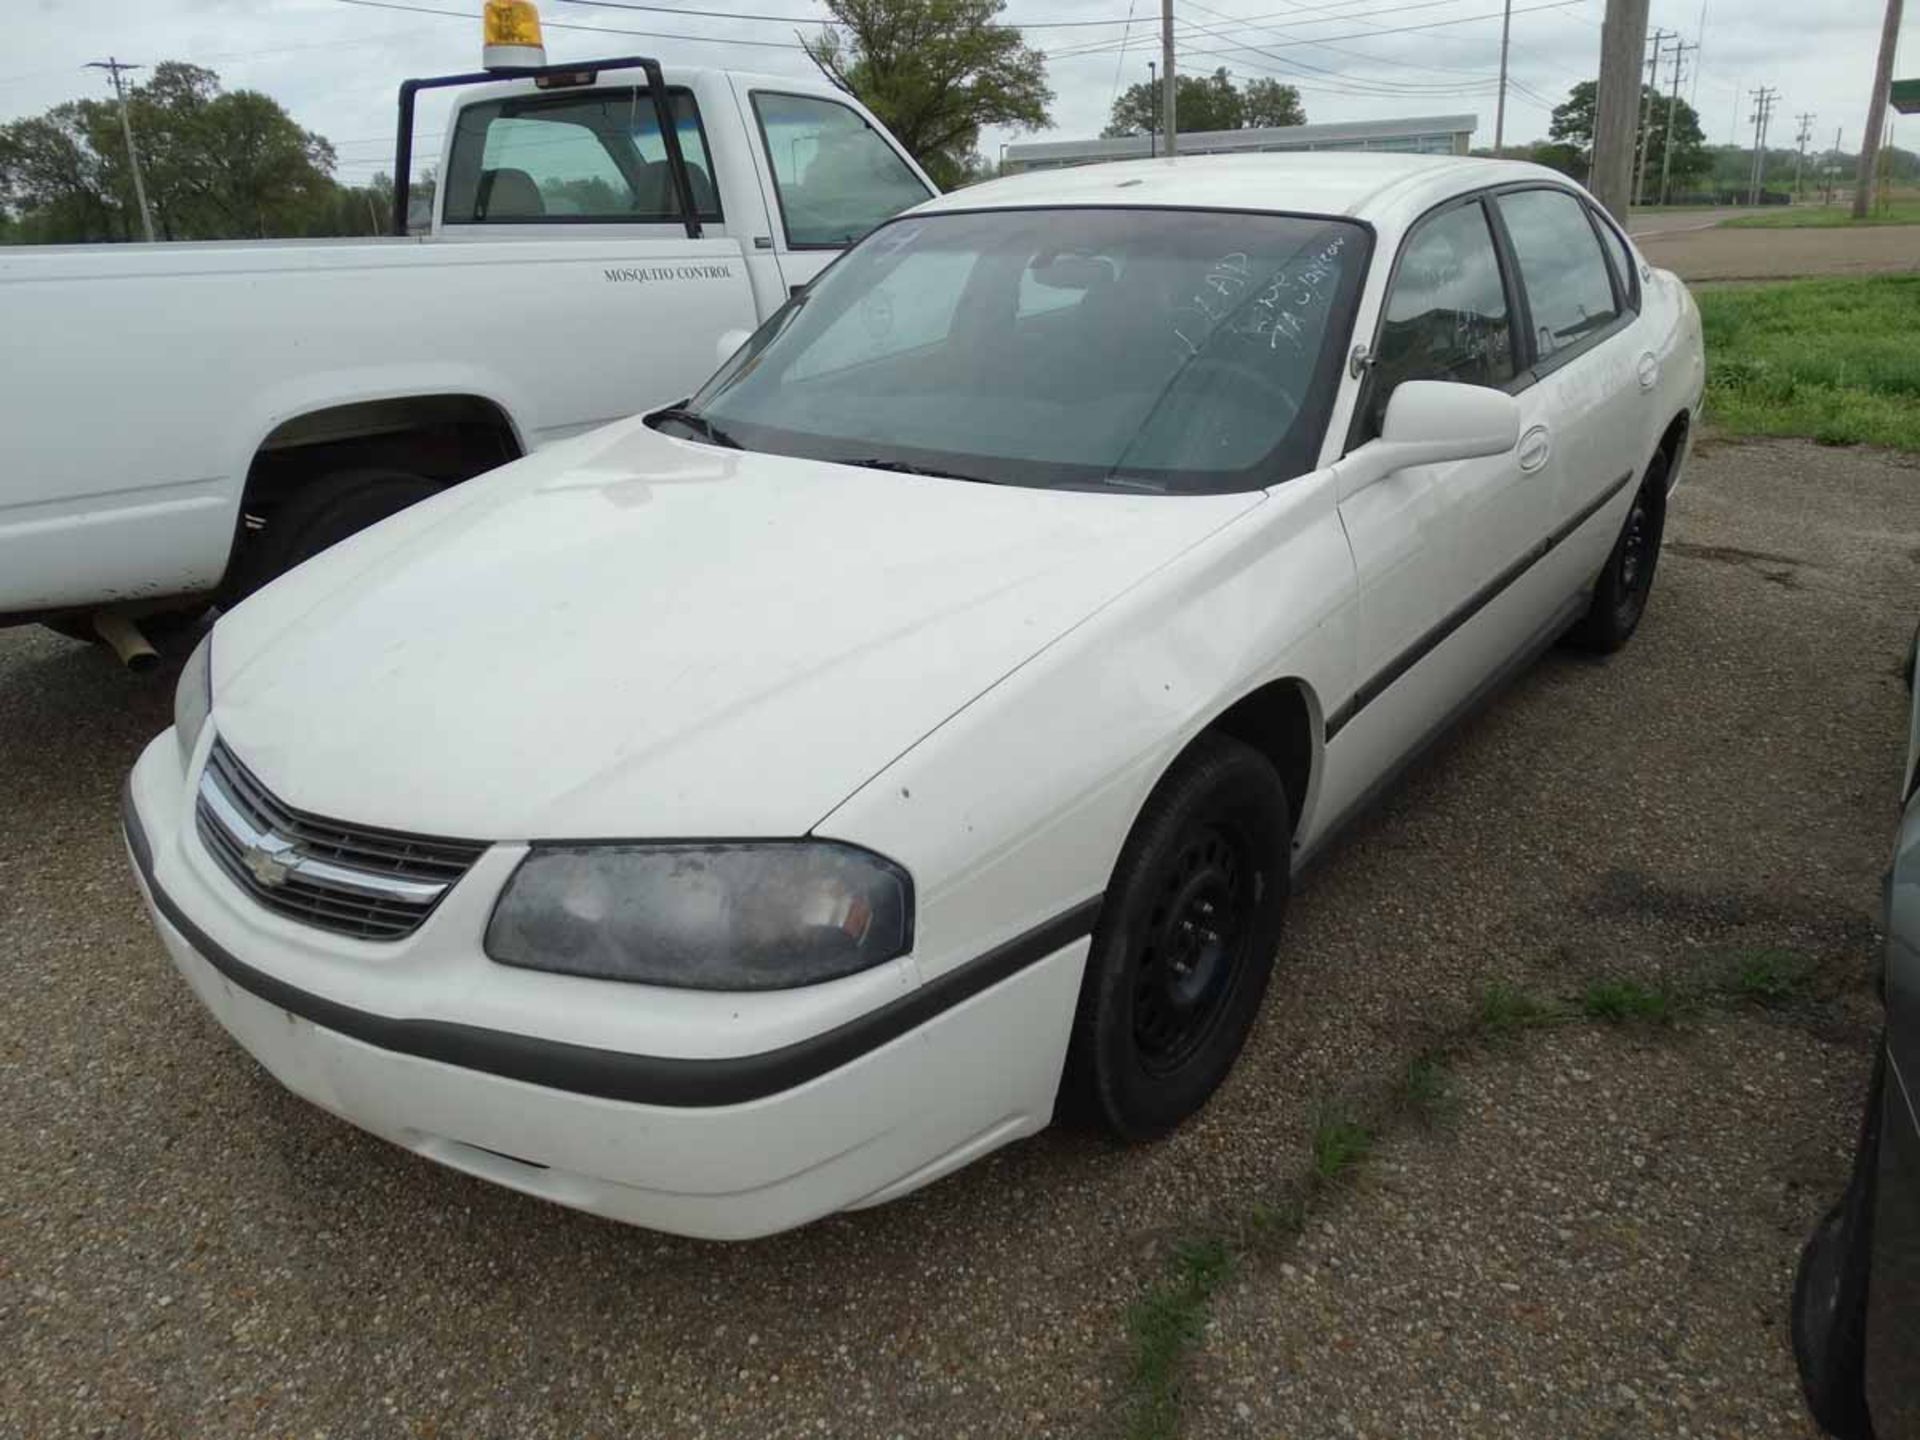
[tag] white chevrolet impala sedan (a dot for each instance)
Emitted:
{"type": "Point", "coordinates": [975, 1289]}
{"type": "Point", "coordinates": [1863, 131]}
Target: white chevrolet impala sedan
{"type": "Point", "coordinates": [762, 807]}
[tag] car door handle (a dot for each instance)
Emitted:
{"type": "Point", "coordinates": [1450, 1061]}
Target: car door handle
{"type": "Point", "coordinates": [1535, 446]}
{"type": "Point", "coordinates": [1649, 371]}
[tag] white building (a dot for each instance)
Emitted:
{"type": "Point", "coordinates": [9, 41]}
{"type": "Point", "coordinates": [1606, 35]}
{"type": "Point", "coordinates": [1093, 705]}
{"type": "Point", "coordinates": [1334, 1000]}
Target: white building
{"type": "Point", "coordinates": [1422, 135]}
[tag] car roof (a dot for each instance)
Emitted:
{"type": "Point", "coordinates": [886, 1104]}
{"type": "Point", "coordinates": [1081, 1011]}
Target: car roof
{"type": "Point", "coordinates": [1366, 186]}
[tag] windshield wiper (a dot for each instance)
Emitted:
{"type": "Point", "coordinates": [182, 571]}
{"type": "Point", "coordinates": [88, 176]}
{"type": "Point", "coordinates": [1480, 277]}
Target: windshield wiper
{"type": "Point", "coordinates": [700, 426]}
{"type": "Point", "coordinates": [907, 467]}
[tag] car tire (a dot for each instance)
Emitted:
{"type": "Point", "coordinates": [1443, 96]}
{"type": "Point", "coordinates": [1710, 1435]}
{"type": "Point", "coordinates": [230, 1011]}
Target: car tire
{"type": "Point", "coordinates": [1184, 946]}
{"type": "Point", "coordinates": [1829, 1319]}
{"type": "Point", "coordinates": [1620, 597]}
{"type": "Point", "coordinates": [320, 515]}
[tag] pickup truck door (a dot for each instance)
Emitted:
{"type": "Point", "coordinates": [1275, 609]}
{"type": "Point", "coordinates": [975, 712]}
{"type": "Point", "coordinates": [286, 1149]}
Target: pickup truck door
{"type": "Point", "coordinates": [1431, 543]}
{"type": "Point", "coordinates": [828, 173]}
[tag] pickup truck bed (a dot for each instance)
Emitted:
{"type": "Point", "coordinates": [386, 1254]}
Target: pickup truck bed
{"type": "Point", "coordinates": [541, 331]}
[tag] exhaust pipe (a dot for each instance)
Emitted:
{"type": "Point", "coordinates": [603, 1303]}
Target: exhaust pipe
{"type": "Point", "coordinates": [126, 641]}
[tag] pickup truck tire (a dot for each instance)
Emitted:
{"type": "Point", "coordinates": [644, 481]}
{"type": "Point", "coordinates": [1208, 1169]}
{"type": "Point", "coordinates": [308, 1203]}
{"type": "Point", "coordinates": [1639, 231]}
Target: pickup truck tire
{"type": "Point", "coordinates": [321, 514]}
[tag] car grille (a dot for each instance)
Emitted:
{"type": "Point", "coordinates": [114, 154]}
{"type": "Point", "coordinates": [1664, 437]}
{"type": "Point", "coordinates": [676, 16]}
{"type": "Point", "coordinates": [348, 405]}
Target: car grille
{"type": "Point", "coordinates": [352, 879]}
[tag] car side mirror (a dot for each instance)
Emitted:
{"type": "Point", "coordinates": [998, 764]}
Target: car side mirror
{"type": "Point", "coordinates": [729, 341]}
{"type": "Point", "coordinates": [1431, 422]}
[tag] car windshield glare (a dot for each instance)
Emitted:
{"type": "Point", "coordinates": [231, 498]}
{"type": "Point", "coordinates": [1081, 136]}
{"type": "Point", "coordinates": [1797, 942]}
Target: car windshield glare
{"type": "Point", "coordinates": [1156, 349]}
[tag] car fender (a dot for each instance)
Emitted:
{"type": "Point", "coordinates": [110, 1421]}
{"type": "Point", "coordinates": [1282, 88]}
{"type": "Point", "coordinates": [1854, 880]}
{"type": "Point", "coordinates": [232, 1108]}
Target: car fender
{"type": "Point", "coordinates": [1015, 809]}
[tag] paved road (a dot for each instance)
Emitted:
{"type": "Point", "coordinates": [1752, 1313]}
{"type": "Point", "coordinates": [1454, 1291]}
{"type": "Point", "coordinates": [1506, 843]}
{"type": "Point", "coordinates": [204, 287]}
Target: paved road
{"type": "Point", "coordinates": [1697, 251]}
{"type": "Point", "coordinates": [1677, 222]}
{"type": "Point", "coordinates": [184, 1248]}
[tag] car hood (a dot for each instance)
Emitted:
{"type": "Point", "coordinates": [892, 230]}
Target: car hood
{"type": "Point", "coordinates": [634, 636]}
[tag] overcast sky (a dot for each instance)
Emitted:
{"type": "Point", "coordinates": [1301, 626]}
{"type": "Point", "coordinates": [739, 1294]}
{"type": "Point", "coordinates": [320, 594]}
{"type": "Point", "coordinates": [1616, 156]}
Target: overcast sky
{"type": "Point", "coordinates": [335, 64]}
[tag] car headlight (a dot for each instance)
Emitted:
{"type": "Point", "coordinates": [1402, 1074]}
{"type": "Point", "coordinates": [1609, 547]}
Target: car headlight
{"type": "Point", "coordinates": [193, 699]}
{"type": "Point", "coordinates": [704, 916]}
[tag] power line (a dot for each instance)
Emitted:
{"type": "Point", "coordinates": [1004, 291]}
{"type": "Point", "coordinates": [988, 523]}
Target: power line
{"type": "Point", "coordinates": [1680, 49]}
{"type": "Point", "coordinates": [1762, 113]}
{"type": "Point", "coordinates": [1805, 117]}
{"type": "Point", "coordinates": [113, 67]}
{"type": "Point", "coordinates": [680, 35]}
{"type": "Point", "coordinates": [1106, 47]}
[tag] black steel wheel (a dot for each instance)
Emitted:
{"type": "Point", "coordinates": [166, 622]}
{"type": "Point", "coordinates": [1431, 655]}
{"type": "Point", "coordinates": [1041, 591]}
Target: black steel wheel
{"type": "Point", "coordinates": [1195, 941]}
{"type": "Point", "coordinates": [1620, 596]}
{"type": "Point", "coordinates": [1185, 944]}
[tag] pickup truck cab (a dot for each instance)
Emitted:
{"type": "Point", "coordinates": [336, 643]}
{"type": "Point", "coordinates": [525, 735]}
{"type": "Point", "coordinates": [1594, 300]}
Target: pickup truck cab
{"type": "Point", "coordinates": [186, 421]}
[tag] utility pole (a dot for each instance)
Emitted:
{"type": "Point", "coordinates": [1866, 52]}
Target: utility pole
{"type": "Point", "coordinates": [1680, 49]}
{"type": "Point", "coordinates": [1500, 106]}
{"type": "Point", "coordinates": [1763, 99]}
{"type": "Point", "coordinates": [1646, 117]}
{"type": "Point", "coordinates": [1833, 168]}
{"type": "Point", "coordinates": [113, 67]}
{"type": "Point", "coordinates": [1169, 121]}
{"type": "Point", "coordinates": [1153, 126]}
{"type": "Point", "coordinates": [1623, 37]}
{"type": "Point", "coordinates": [1801, 137]}
{"type": "Point", "coordinates": [1876, 111]}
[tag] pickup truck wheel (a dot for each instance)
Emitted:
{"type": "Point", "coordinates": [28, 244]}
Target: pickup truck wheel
{"type": "Point", "coordinates": [1829, 1318]}
{"type": "Point", "coordinates": [1620, 599]}
{"type": "Point", "coordinates": [322, 514]}
{"type": "Point", "coordinates": [1184, 946]}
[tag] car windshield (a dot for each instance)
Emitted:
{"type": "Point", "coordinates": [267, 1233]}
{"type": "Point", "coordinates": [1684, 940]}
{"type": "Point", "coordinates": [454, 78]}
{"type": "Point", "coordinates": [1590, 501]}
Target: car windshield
{"type": "Point", "coordinates": [1163, 350]}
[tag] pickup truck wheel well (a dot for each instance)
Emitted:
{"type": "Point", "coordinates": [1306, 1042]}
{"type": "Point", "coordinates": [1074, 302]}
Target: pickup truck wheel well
{"type": "Point", "coordinates": [1277, 720]}
{"type": "Point", "coordinates": [441, 438]}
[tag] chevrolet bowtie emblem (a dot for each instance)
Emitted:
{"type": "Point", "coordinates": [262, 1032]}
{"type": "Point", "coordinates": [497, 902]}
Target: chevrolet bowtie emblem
{"type": "Point", "coordinates": [270, 861]}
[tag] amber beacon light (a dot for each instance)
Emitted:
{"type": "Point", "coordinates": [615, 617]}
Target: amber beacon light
{"type": "Point", "coordinates": [512, 35]}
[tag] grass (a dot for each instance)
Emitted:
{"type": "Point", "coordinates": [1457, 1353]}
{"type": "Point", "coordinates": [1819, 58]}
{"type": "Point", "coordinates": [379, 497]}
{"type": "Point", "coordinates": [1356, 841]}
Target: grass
{"type": "Point", "coordinates": [1768, 977]}
{"type": "Point", "coordinates": [1170, 1320]}
{"type": "Point", "coordinates": [1340, 1143]}
{"type": "Point", "coordinates": [1423, 1091]}
{"type": "Point", "coordinates": [1620, 1002]}
{"type": "Point", "coordinates": [1505, 1010]}
{"type": "Point", "coordinates": [1822, 217]}
{"type": "Point", "coordinates": [1833, 360]}
{"type": "Point", "coordinates": [1166, 1323]}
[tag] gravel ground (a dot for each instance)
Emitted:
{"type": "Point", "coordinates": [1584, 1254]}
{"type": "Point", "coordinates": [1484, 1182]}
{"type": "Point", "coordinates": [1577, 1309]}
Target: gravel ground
{"type": "Point", "coordinates": [1697, 252]}
{"type": "Point", "coordinates": [186, 1249]}
{"type": "Point", "coordinates": [1598, 1242]}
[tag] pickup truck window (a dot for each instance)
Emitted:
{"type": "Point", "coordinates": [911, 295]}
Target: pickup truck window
{"type": "Point", "coordinates": [594, 157]}
{"type": "Point", "coordinates": [836, 178]}
{"type": "Point", "coordinates": [1220, 336]}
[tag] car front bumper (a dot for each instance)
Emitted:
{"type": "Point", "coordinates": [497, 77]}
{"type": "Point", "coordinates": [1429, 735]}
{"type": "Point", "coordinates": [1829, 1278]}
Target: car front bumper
{"type": "Point", "coordinates": [721, 1136]}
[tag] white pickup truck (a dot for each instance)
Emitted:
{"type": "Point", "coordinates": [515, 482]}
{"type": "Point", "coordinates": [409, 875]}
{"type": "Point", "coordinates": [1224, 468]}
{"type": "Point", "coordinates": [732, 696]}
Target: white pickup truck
{"type": "Point", "coordinates": [182, 422]}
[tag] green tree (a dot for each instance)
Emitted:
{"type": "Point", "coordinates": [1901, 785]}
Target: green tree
{"type": "Point", "coordinates": [1559, 155]}
{"type": "Point", "coordinates": [1269, 103]}
{"type": "Point", "coordinates": [218, 165]}
{"type": "Point", "coordinates": [935, 72]}
{"type": "Point", "coordinates": [1572, 123]}
{"type": "Point", "coordinates": [1206, 102]}
{"type": "Point", "coordinates": [54, 186]}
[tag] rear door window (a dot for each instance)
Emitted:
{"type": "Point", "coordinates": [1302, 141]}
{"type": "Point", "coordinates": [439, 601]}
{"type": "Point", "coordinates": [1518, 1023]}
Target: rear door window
{"type": "Point", "coordinates": [1622, 258]}
{"type": "Point", "coordinates": [590, 157]}
{"type": "Point", "coordinates": [1565, 274]}
{"type": "Point", "coordinates": [835, 176]}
